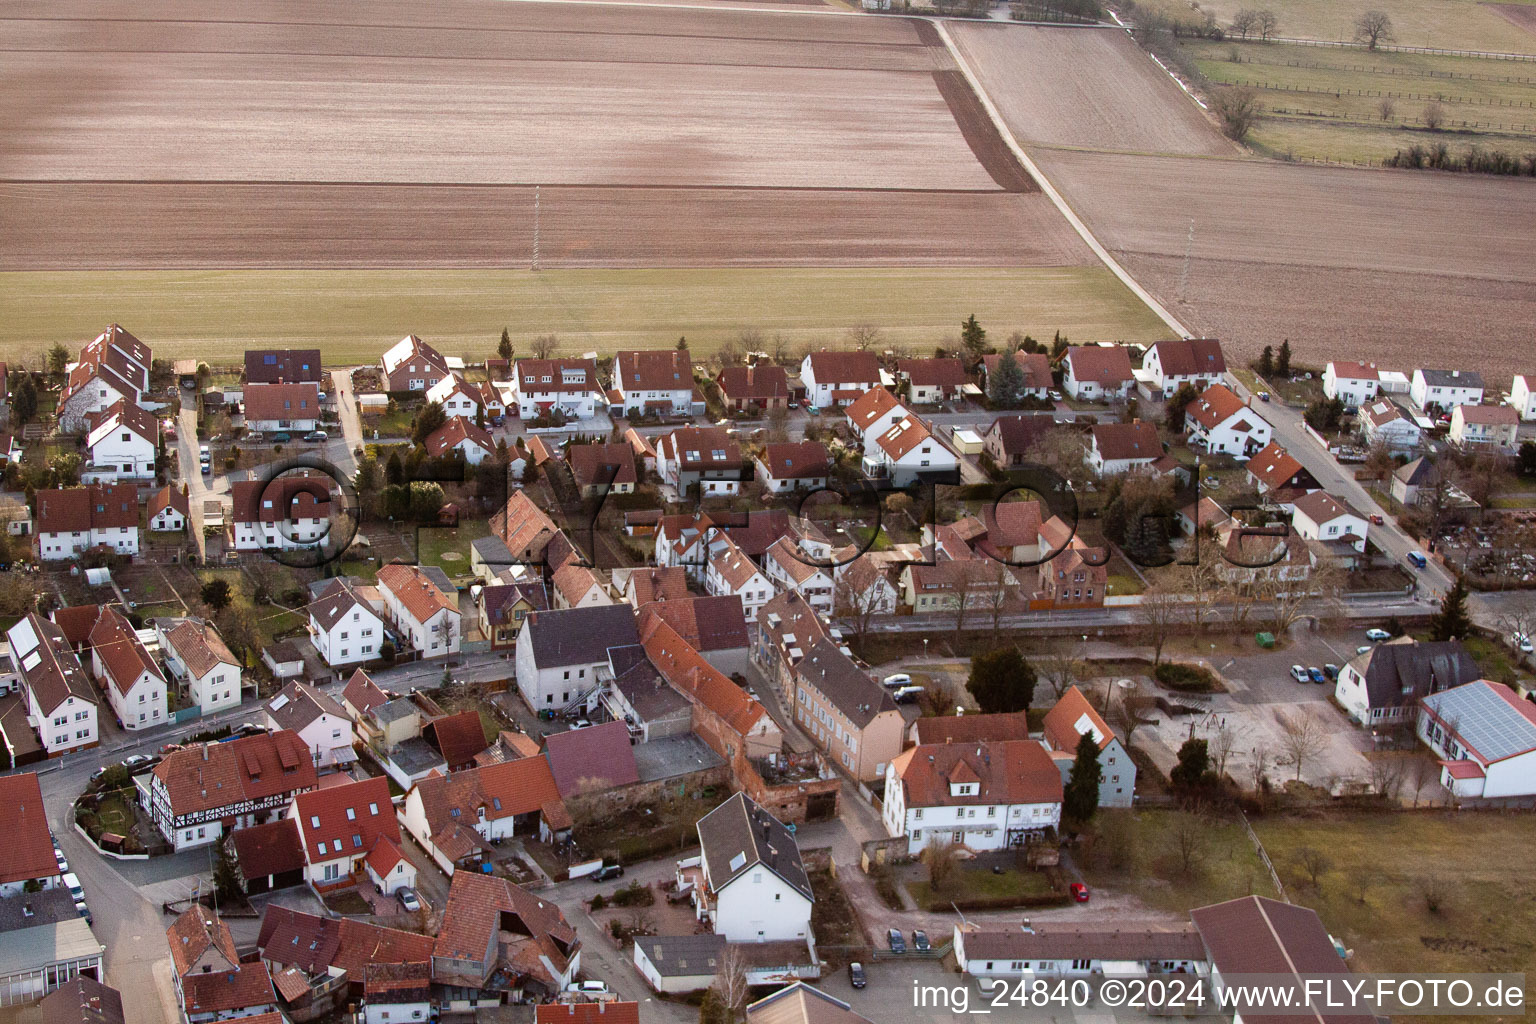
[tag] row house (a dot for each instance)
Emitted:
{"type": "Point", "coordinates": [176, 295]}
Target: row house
{"type": "Point", "coordinates": [754, 389]}
{"type": "Point", "coordinates": [789, 567]}
{"type": "Point", "coordinates": [123, 443]}
{"type": "Point", "coordinates": [934, 380]}
{"type": "Point", "coordinates": [716, 627]}
{"type": "Point", "coordinates": [410, 364]}
{"type": "Point", "coordinates": [59, 697]}
{"type": "Point", "coordinates": [282, 407]}
{"type": "Point", "coordinates": [345, 623]}
{"type": "Point", "coordinates": [690, 541]}
{"type": "Point", "coordinates": [1352, 382]}
{"type": "Point", "coordinates": [1097, 372]}
{"type": "Point", "coordinates": [524, 528]}
{"type": "Point", "coordinates": [197, 794]}
{"type": "Point", "coordinates": [132, 680]}
{"type": "Point", "coordinates": [542, 386]}
{"type": "Point", "coordinates": [787, 627]}
{"type": "Point", "coordinates": [290, 513]}
{"type": "Point", "coordinates": [1221, 422]}
{"type": "Point", "coordinates": [982, 796]}
{"type": "Point", "coordinates": [731, 572]}
{"type": "Point", "coordinates": [282, 366]}
{"type": "Point", "coordinates": [1198, 362]}
{"type": "Point", "coordinates": [201, 662]}
{"type": "Point", "coordinates": [838, 378]}
{"type": "Point", "coordinates": [74, 520]}
{"type": "Point", "coordinates": [853, 718]}
{"type": "Point", "coordinates": [726, 717]}
{"type": "Point", "coordinates": [423, 607]}
{"type": "Point", "coordinates": [656, 381]}
{"type": "Point", "coordinates": [112, 368]}
{"type": "Point", "coordinates": [704, 456]}
{"type": "Point", "coordinates": [1034, 370]}
{"type": "Point", "coordinates": [211, 982]}
{"type": "Point", "coordinates": [1443, 390]}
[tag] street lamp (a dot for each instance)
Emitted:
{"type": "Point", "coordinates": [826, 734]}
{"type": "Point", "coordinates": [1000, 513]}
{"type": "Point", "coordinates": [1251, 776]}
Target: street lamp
{"type": "Point", "coordinates": [925, 648]}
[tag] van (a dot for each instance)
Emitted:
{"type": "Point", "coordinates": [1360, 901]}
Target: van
{"type": "Point", "coordinates": [1417, 560]}
{"type": "Point", "coordinates": [203, 454]}
{"type": "Point", "coordinates": [907, 693]}
{"type": "Point", "coordinates": [75, 890]}
{"type": "Point", "coordinates": [899, 679]}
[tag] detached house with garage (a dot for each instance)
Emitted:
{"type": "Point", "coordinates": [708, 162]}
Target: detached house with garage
{"type": "Point", "coordinates": [1495, 426]}
{"type": "Point", "coordinates": [1320, 516]}
{"type": "Point", "coordinates": [460, 437]}
{"type": "Point", "coordinates": [282, 365]}
{"type": "Point", "coordinates": [1035, 366]}
{"type": "Point", "coordinates": [199, 793]}
{"type": "Point", "coordinates": [983, 796]}
{"type": "Point", "coordinates": [282, 407]}
{"type": "Point", "coordinates": [1220, 422]}
{"type": "Point", "coordinates": [1066, 724]}
{"type": "Point", "coordinates": [931, 381]}
{"type": "Point", "coordinates": [1010, 438]}
{"type": "Point", "coordinates": [873, 413]}
{"type": "Point", "coordinates": [123, 443]}
{"type": "Point", "coordinates": [706, 456]}
{"type": "Point", "coordinates": [749, 883]}
{"type": "Point", "coordinates": [1383, 422]}
{"type": "Point", "coordinates": [74, 520]}
{"type": "Point", "coordinates": [731, 573]}
{"type": "Point", "coordinates": [344, 626]}
{"type": "Point", "coordinates": [748, 389]}
{"type": "Point", "coordinates": [457, 398]}
{"type": "Point", "coordinates": [543, 386]}
{"type": "Point", "coordinates": [1197, 362]}
{"type": "Point", "coordinates": [838, 378]}
{"type": "Point", "coordinates": [793, 466]}
{"type": "Point", "coordinates": [1097, 372]}
{"type": "Point", "coordinates": [656, 381]}
{"type": "Point", "coordinates": [602, 468]}
{"type": "Point", "coordinates": [1279, 476]}
{"type": "Point", "coordinates": [423, 608]}
{"type": "Point", "coordinates": [1352, 382]}
{"type": "Point", "coordinates": [412, 365]}
{"type": "Point", "coordinates": [908, 452]}
{"type": "Point", "coordinates": [133, 682]}
{"type": "Point", "coordinates": [59, 698]}
{"type": "Point", "coordinates": [341, 826]}
{"type": "Point", "coordinates": [200, 660]}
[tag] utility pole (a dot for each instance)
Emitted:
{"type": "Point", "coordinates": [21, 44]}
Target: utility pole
{"type": "Point", "coordinates": [1189, 245]}
{"type": "Point", "coordinates": [536, 227]}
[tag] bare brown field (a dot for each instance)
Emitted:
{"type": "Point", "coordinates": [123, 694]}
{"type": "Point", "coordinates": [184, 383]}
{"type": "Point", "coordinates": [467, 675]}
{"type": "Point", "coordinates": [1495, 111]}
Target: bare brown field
{"type": "Point", "coordinates": [1383, 265]}
{"type": "Point", "coordinates": [1520, 15]}
{"type": "Point", "coordinates": [1086, 88]}
{"type": "Point", "coordinates": [75, 225]}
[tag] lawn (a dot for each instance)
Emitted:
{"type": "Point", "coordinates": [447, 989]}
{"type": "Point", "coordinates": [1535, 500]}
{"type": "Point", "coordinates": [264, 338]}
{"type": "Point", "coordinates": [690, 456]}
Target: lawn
{"type": "Point", "coordinates": [389, 424]}
{"type": "Point", "coordinates": [117, 813]}
{"type": "Point", "coordinates": [352, 315]}
{"type": "Point", "coordinates": [448, 547]}
{"type": "Point", "coordinates": [1441, 24]}
{"type": "Point", "coordinates": [1151, 868]}
{"type": "Point", "coordinates": [981, 884]}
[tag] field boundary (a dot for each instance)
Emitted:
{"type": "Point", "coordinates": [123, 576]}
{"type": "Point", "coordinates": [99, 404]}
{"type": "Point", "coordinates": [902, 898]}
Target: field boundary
{"type": "Point", "coordinates": [1394, 48]}
{"type": "Point", "coordinates": [1057, 199]}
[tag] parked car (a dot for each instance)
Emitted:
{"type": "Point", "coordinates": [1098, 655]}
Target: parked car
{"type": "Point", "coordinates": [96, 776]}
{"type": "Point", "coordinates": [1298, 673]}
{"type": "Point", "coordinates": [76, 890]}
{"type": "Point", "coordinates": [281, 437]}
{"type": "Point", "coordinates": [898, 679]}
{"type": "Point", "coordinates": [898, 944]}
{"type": "Point", "coordinates": [317, 435]}
{"type": "Point", "coordinates": [920, 941]}
{"type": "Point", "coordinates": [1316, 675]}
{"type": "Point", "coordinates": [1079, 892]}
{"type": "Point", "coordinates": [1378, 635]}
{"type": "Point", "coordinates": [253, 435]}
{"type": "Point", "coordinates": [1362, 649]}
{"type": "Point", "coordinates": [58, 855]}
{"type": "Point", "coordinates": [1331, 670]}
{"type": "Point", "coordinates": [590, 988]}
{"type": "Point", "coordinates": [408, 899]}
{"type": "Point", "coordinates": [1376, 518]}
{"type": "Point", "coordinates": [1417, 560]}
{"type": "Point", "coordinates": [1521, 641]}
{"type": "Point", "coordinates": [250, 729]}
{"type": "Point", "coordinates": [580, 723]}
{"type": "Point", "coordinates": [135, 761]}
{"type": "Point", "coordinates": [608, 872]}
{"type": "Point", "coordinates": [85, 912]}
{"type": "Point", "coordinates": [856, 976]}
{"type": "Point", "coordinates": [1263, 396]}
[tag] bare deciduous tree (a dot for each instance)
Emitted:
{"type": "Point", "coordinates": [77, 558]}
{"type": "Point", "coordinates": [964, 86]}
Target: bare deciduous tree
{"type": "Point", "coordinates": [1237, 107]}
{"type": "Point", "coordinates": [864, 337]}
{"type": "Point", "coordinates": [1436, 891]}
{"type": "Point", "coordinates": [731, 981]}
{"type": "Point", "coordinates": [1157, 615]}
{"type": "Point", "coordinates": [1223, 742]}
{"type": "Point", "coordinates": [1386, 107]}
{"type": "Point", "coordinates": [1422, 770]}
{"type": "Point", "coordinates": [1433, 116]}
{"type": "Point", "coordinates": [544, 346]}
{"type": "Point", "coordinates": [1315, 863]}
{"type": "Point", "coordinates": [1363, 880]}
{"type": "Point", "coordinates": [1373, 28]}
{"type": "Point", "coordinates": [1060, 670]}
{"type": "Point", "coordinates": [1268, 24]}
{"type": "Point", "coordinates": [1259, 767]}
{"type": "Point", "coordinates": [1189, 840]}
{"type": "Point", "coordinates": [1244, 22]}
{"type": "Point", "coordinates": [857, 605]}
{"type": "Point", "coordinates": [939, 857]}
{"type": "Point", "coordinates": [1302, 738]}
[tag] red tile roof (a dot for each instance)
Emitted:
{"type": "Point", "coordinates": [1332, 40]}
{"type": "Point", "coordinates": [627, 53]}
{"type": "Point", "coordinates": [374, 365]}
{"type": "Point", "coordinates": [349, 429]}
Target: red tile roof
{"type": "Point", "coordinates": [502, 790]}
{"type": "Point", "coordinates": [282, 402]}
{"type": "Point", "coordinates": [796, 460]}
{"type": "Point", "coordinates": [131, 417]}
{"type": "Point", "coordinates": [251, 768]}
{"type": "Point", "coordinates": [606, 1012]}
{"type": "Point", "coordinates": [384, 856]}
{"type": "Point", "coordinates": [1273, 466]}
{"type": "Point", "coordinates": [523, 526]}
{"type": "Point", "coordinates": [704, 623]}
{"type": "Point", "coordinates": [973, 728]}
{"type": "Point", "coordinates": [1215, 405]}
{"type": "Point", "coordinates": [869, 407]}
{"type": "Point", "coordinates": [591, 760]}
{"type": "Point", "coordinates": [225, 991]}
{"type": "Point", "coordinates": [946, 372]}
{"type": "Point", "coordinates": [601, 463]}
{"type": "Point", "coordinates": [1010, 772]}
{"type": "Point", "coordinates": [315, 943]}
{"type": "Point", "coordinates": [529, 374]}
{"type": "Point", "coordinates": [117, 645]}
{"type": "Point", "coordinates": [76, 622]}
{"type": "Point", "coordinates": [95, 506]}
{"type": "Point", "coordinates": [1035, 365]}
{"type": "Point", "coordinates": [415, 591]}
{"type": "Point", "coordinates": [1107, 365]}
{"type": "Point", "coordinates": [845, 368]}
{"type": "Point", "coordinates": [169, 496]}
{"type": "Point", "coordinates": [665, 583]}
{"type": "Point", "coordinates": [345, 821]}
{"type": "Point", "coordinates": [459, 737]}
{"type": "Point", "coordinates": [474, 911]}
{"type": "Point", "coordinates": [284, 499]}
{"type": "Point", "coordinates": [363, 693]}
{"type": "Point", "coordinates": [687, 671]}
{"type": "Point", "coordinates": [193, 933]}
{"type": "Point", "coordinates": [653, 370]}
{"type": "Point", "coordinates": [1070, 718]}
{"type": "Point", "coordinates": [24, 822]}
{"type": "Point", "coordinates": [1190, 357]}
{"type": "Point", "coordinates": [1117, 441]}
{"type": "Point", "coordinates": [695, 448]}
{"type": "Point", "coordinates": [453, 432]}
{"type": "Point", "coordinates": [760, 383]}
{"type": "Point", "coordinates": [271, 848]}
{"type": "Point", "coordinates": [1354, 369]}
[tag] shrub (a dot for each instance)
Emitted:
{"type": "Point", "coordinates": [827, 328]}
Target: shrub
{"type": "Point", "coordinates": [1187, 678]}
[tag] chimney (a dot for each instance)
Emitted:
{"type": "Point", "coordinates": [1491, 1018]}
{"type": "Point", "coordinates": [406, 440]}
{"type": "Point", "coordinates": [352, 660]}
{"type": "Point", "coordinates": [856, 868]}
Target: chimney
{"type": "Point", "coordinates": [205, 750]}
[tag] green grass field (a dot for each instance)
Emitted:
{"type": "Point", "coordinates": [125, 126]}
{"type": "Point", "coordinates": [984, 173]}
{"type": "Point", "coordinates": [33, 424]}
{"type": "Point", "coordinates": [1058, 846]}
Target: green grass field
{"type": "Point", "coordinates": [354, 315]}
{"type": "Point", "coordinates": [1437, 24]}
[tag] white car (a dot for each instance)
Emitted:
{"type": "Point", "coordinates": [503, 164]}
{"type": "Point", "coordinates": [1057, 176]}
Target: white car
{"type": "Point", "coordinates": [1521, 641]}
{"type": "Point", "coordinates": [898, 679]}
{"type": "Point", "coordinates": [1377, 635]}
{"type": "Point", "coordinates": [1299, 674]}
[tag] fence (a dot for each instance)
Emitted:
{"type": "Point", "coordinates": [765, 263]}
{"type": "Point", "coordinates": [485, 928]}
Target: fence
{"type": "Point", "coordinates": [1427, 97]}
{"type": "Point", "coordinates": [1253, 837]}
{"type": "Point", "coordinates": [1471, 76]}
{"type": "Point", "coordinates": [1392, 48]}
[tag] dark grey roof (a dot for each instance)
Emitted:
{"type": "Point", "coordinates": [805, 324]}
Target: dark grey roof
{"type": "Point", "coordinates": [304, 705]}
{"type": "Point", "coordinates": [82, 1000]}
{"type": "Point", "coordinates": [1092, 942]}
{"type": "Point", "coordinates": [646, 691]}
{"type": "Point", "coordinates": [848, 687]}
{"type": "Point", "coordinates": [51, 906]}
{"type": "Point", "coordinates": [394, 710]}
{"type": "Point", "coordinates": [1402, 671]}
{"type": "Point", "coordinates": [1419, 471]}
{"type": "Point", "coordinates": [439, 579]}
{"type": "Point", "coordinates": [580, 636]}
{"type": "Point", "coordinates": [1452, 378]}
{"type": "Point", "coordinates": [738, 835]}
{"type": "Point", "coordinates": [493, 551]}
{"type": "Point", "coordinates": [683, 956]}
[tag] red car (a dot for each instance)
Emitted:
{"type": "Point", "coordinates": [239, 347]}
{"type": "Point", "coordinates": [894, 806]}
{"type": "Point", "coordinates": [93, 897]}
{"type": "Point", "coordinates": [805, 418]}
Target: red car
{"type": "Point", "coordinates": [1079, 892]}
{"type": "Point", "coordinates": [1377, 520]}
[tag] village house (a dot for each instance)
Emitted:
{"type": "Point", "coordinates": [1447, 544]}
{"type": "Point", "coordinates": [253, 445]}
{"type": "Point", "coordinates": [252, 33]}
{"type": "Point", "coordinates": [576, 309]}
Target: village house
{"type": "Point", "coordinates": [211, 982]}
{"type": "Point", "coordinates": [748, 882]}
{"type": "Point", "coordinates": [753, 389]}
{"type": "Point", "coordinates": [787, 627]}
{"type": "Point", "coordinates": [123, 443]}
{"type": "Point", "coordinates": [1409, 479]}
{"type": "Point", "coordinates": [316, 718]}
{"type": "Point", "coordinates": [112, 368]}
{"type": "Point", "coordinates": [1320, 516]}
{"type": "Point", "coordinates": [361, 695]}
{"type": "Point", "coordinates": [841, 709]}
{"type": "Point", "coordinates": [290, 513]}
{"type": "Point", "coordinates": [393, 993]}
{"type": "Point", "coordinates": [864, 588]}
{"type": "Point", "coordinates": [1280, 476]}
{"type": "Point", "coordinates": [455, 816]}
{"type": "Point", "coordinates": [1035, 366]}
{"type": "Point", "coordinates": [1443, 390]}
{"type": "Point", "coordinates": [504, 607]}
{"type": "Point", "coordinates": [689, 540]}
{"type": "Point", "coordinates": [790, 568]}
{"type": "Point", "coordinates": [496, 935]}
{"type": "Point", "coordinates": [59, 696]}
{"type": "Point", "coordinates": [341, 826]}
{"type": "Point", "coordinates": [1259, 935]}
{"type": "Point", "coordinates": [74, 520]}
{"type": "Point", "coordinates": [706, 456]}
{"type": "Point", "coordinates": [412, 365]}
{"type": "Point", "coordinates": [1097, 372]}
{"type": "Point", "coordinates": [1010, 438]}
{"type": "Point", "coordinates": [1522, 396]}
{"type": "Point", "coordinates": [1480, 425]}
{"type": "Point", "coordinates": [1383, 686]}
{"type": "Point", "coordinates": [940, 587]}
{"type": "Point", "coordinates": [731, 572]}
{"type": "Point", "coordinates": [730, 720]}
{"type": "Point", "coordinates": [1352, 382]}
{"type": "Point", "coordinates": [282, 365]}
{"type": "Point", "coordinates": [85, 1000]}
{"type": "Point", "coordinates": [134, 685]}
{"type": "Point", "coordinates": [1077, 575]}
{"type": "Point", "coordinates": [319, 962]}
{"type": "Point", "coordinates": [422, 608]}
{"type": "Point", "coordinates": [908, 452]}
{"type": "Point", "coordinates": [1059, 949]}
{"type": "Point", "coordinates": [201, 662]}
{"type": "Point", "coordinates": [983, 796]}
{"type": "Point", "coordinates": [1485, 737]}
{"type": "Point", "coordinates": [592, 760]}
{"type": "Point", "coordinates": [524, 528]}
{"type": "Point", "coordinates": [934, 380]}
{"type": "Point", "coordinates": [793, 466]}
{"type": "Point", "coordinates": [1383, 422]}
{"type": "Point", "coordinates": [1197, 362]}
{"type": "Point", "coordinates": [656, 381]}
{"type": "Point", "coordinates": [602, 468]}
{"type": "Point", "coordinates": [837, 378]}
{"type": "Point", "coordinates": [544, 386]}
{"type": "Point", "coordinates": [461, 437]}
{"type": "Point", "coordinates": [1118, 448]}
{"type": "Point", "coordinates": [1219, 421]}
{"type": "Point", "coordinates": [167, 510]}
{"type": "Point", "coordinates": [873, 413]}
{"type": "Point", "coordinates": [198, 793]}
{"type": "Point", "coordinates": [29, 862]}
{"type": "Point", "coordinates": [576, 586]}
{"type": "Point", "coordinates": [715, 627]}
{"type": "Point", "coordinates": [344, 626]}
{"type": "Point", "coordinates": [562, 656]}
{"type": "Point", "coordinates": [282, 407]}
{"type": "Point", "coordinates": [1068, 721]}
{"type": "Point", "coordinates": [639, 586]}
{"type": "Point", "coordinates": [458, 399]}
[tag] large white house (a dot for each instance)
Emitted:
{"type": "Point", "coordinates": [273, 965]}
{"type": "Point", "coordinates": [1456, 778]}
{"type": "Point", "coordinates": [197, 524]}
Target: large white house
{"type": "Point", "coordinates": [1197, 362]}
{"type": "Point", "coordinates": [1383, 422]}
{"type": "Point", "coordinates": [198, 657]}
{"type": "Point", "coordinates": [123, 442]}
{"type": "Point", "coordinates": [1382, 687]}
{"type": "Point", "coordinates": [907, 452]}
{"type": "Point", "coordinates": [655, 380]}
{"type": "Point", "coordinates": [541, 386]}
{"type": "Point", "coordinates": [873, 413]}
{"type": "Point", "coordinates": [1097, 372]}
{"type": "Point", "coordinates": [562, 656]}
{"type": "Point", "coordinates": [60, 698]}
{"type": "Point", "coordinates": [457, 397]}
{"type": "Point", "coordinates": [838, 378]}
{"type": "Point", "coordinates": [342, 825]}
{"type": "Point", "coordinates": [74, 520]}
{"type": "Point", "coordinates": [983, 796]}
{"type": "Point", "coordinates": [1118, 448]}
{"type": "Point", "coordinates": [1485, 735]}
{"type": "Point", "coordinates": [1445, 389]}
{"type": "Point", "coordinates": [1484, 425]}
{"type": "Point", "coordinates": [1352, 382]}
{"type": "Point", "coordinates": [290, 513]}
{"type": "Point", "coordinates": [423, 608]}
{"type": "Point", "coordinates": [113, 367]}
{"type": "Point", "coordinates": [730, 571]}
{"type": "Point", "coordinates": [749, 883]}
{"type": "Point", "coordinates": [1220, 421]}
{"type": "Point", "coordinates": [134, 685]}
{"type": "Point", "coordinates": [344, 626]}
